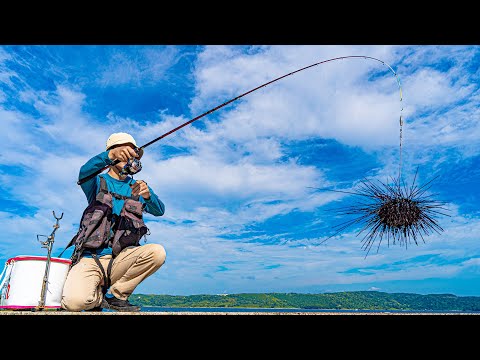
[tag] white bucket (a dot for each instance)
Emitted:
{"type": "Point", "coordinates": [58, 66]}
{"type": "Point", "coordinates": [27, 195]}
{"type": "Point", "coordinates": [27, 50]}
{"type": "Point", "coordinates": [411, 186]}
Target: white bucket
{"type": "Point", "coordinates": [21, 285]}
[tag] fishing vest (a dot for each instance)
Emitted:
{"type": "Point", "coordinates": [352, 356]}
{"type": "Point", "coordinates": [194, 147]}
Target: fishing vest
{"type": "Point", "coordinates": [100, 228]}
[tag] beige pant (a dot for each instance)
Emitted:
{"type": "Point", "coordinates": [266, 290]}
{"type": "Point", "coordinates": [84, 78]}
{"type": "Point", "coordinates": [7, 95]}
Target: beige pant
{"type": "Point", "coordinates": [83, 287]}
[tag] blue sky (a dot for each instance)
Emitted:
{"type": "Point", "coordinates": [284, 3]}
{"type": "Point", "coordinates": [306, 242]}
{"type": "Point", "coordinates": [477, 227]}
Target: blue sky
{"type": "Point", "coordinates": [241, 214]}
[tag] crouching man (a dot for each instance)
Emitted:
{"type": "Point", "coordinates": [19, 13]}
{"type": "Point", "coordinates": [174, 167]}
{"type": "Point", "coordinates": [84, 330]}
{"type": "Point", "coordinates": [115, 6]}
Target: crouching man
{"type": "Point", "coordinates": [108, 260]}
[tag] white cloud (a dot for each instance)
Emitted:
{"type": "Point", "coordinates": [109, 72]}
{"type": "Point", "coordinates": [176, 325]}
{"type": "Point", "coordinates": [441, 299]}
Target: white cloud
{"type": "Point", "coordinates": [429, 87]}
{"type": "Point", "coordinates": [330, 100]}
{"type": "Point", "coordinates": [242, 180]}
{"type": "Point", "coordinates": [5, 72]}
{"type": "Point", "coordinates": [138, 66]}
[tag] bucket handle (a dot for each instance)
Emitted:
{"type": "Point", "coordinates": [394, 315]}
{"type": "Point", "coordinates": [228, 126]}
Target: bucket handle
{"type": "Point", "coordinates": [3, 272]}
{"type": "Point", "coordinates": [7, 276]}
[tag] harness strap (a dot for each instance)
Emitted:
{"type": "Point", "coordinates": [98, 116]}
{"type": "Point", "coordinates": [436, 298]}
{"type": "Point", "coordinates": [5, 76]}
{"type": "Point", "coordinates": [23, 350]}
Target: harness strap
{"type": "Point", "coordinates": [106, 277]}
{"type": "Point", "coordinates": [66, 247]}
{"type": "Point", "coordinates": [104, 189]}
{"type": "Point", "coordinates": [123, 197]}
{"type": "Point", "coordinates": [109, 271]}
{"type": "Point", "coordinates": [103, 184]}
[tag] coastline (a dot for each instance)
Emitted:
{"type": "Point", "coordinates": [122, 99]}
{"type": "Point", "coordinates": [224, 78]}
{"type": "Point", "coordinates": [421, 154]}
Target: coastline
{"type": "Point", "coordinates": [236, 313]}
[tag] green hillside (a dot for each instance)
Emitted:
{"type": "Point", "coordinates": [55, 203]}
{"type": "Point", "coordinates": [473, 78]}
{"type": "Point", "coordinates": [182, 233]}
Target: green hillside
{"type": "Point", "coordinates": [355, 300]}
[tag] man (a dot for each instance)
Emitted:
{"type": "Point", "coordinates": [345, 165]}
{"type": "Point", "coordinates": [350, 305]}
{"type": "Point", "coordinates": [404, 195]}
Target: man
{"type": "Point", "coordinates": [86, 284]}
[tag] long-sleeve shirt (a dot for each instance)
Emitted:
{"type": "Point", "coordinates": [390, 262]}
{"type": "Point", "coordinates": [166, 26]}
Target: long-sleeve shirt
{"type": "Point", "coordinates": [153, 205]}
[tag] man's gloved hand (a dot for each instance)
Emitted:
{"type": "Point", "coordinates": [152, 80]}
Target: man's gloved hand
{"type": "Point", "coordinates": [141, 188]}
{"type": "Point", "coordinates": [122, 153]}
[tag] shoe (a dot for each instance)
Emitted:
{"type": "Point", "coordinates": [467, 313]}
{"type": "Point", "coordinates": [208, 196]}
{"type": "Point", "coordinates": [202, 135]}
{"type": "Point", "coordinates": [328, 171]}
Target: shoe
{"type": "Point", "coordinates": [98, 308]}
{"type": "Point", "coordinates": [120, 305]}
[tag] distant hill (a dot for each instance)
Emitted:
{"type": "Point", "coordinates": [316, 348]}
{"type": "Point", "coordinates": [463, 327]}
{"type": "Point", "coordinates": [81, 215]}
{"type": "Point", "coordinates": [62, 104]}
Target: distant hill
{"type": "Point", "coordinates": [351, 300]}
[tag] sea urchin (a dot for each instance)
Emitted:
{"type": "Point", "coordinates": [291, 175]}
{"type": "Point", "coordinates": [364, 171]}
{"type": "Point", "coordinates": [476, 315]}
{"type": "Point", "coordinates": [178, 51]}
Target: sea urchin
{"type": "Point", "coordinates": [397, 212]}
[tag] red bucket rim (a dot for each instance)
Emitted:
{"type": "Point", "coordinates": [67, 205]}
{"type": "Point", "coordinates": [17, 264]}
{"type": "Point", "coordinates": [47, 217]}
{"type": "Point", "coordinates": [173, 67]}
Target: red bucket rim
{"type": "Point", "coordinates": [35, 257]}
{"type": "Point", "coordinates": [21, 307]}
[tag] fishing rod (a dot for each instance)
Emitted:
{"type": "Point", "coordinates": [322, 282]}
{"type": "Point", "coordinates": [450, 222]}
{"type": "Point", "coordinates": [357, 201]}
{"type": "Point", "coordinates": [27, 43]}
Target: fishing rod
{"type": "Point", "coordinates": [134, 166]}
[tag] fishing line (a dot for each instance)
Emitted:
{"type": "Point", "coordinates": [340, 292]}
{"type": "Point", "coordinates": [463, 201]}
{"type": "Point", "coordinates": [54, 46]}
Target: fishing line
{"type": "Point", "coordinates": [81, 181]}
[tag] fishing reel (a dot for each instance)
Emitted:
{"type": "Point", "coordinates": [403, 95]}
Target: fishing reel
{"type": "Point", "coordinates": [132, 166]}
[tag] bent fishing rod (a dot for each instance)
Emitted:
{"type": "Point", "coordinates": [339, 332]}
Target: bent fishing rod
{"type": "Point", "coordinates": [133, 165]}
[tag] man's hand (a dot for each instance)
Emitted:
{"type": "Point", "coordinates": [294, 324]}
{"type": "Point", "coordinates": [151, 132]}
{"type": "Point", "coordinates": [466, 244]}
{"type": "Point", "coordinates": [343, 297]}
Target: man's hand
{"type": "Point", "coordinates": [122, 153]}
{"type": "Point", "coordinates": [140, 188]}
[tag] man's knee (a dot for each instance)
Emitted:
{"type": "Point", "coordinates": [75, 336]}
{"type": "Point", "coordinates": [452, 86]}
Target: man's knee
{"type": "Point", "coordinates": [157, 253]}
{"type": "Point", "coordinates": [78, 303]}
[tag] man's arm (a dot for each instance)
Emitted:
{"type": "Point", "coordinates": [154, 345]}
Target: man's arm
{"type": "Point", "coordinates": [95, 163]}
{"type": "Point", "coordinates": [154, 205]}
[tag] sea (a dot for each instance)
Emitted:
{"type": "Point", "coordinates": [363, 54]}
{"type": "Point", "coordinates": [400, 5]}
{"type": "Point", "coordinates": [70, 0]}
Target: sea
{"type": "Point", "coordinates": [147, 309]}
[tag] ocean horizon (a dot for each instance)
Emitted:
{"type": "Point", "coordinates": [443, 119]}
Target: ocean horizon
{"type": "Point", "coordinates": [292, 310]}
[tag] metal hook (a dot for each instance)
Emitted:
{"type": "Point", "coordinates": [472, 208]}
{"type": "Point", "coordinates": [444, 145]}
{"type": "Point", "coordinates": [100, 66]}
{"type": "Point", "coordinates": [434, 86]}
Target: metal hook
{"type": "Point", "coordinates": [42, 242]}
